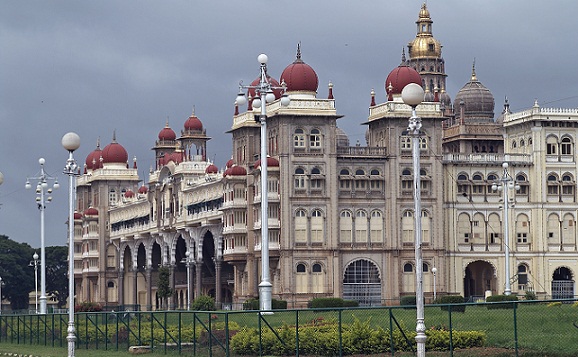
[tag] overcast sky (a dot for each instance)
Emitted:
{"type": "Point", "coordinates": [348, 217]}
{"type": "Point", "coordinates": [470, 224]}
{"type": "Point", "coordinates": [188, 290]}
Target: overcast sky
{"type": "Point", "coordinates": [94, 67]}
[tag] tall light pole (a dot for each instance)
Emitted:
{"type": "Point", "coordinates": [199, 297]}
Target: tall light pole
{"type": "Point", "coordinates": [412, 95]}
{"type": "Point", "coordinates": [188, 263]}
{"type": "Point", "coordinates": [34, 263]}
{"type": "Point", "coordinates": [1, 283]}
{"type": "Point", "coordinates": [266, 95]}
{"type": "Point", "coordinates": [505, 185]}
{"type": "Point", "coordinates": [42, 199]}
{"type": "Point", "coordinates": [71, 142]}
{"type": "Point", "coordinates": [434, 270]}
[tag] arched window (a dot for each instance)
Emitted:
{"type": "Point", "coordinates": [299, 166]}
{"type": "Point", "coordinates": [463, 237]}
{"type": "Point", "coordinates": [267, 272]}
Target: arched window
{"type": "Point", "coordinates": [566, 146]}
{"type": "Point", "coordinates": [344, 172]}
{"type": "Point", "coordinates": [567, 185]}
{"type": "Point", "coordinates": [301, 279]}
{"type": "Point", "coordinates": [552, 182]}
{"type": "Point", "coordinates": [523, 229]}
{"type": "Point", "coordinates": [407, 226]}
{"type": "Point", "coordinates": [362, 283]}
{"type": "Point", "coordinates": [345, 227]}
{"type": "Point", "coordinates": [361, 226]}
{"type": "Point", "coordinates": [299, 178]}
{"type": "Point", "coordinates": [300, 226]}
{"type": "Point", "coordinates": [405, 143]}
{"type": "Point", "coordinates": [407, 268]}
{"type": "Point", "coordinates": [315, 139]}
{"type": "Point", "coordinates": [522, 277]}
{"type": "Point", "coordinates": [408, 278]}
{"type": "Point", "coordinates": [317, 226]}
{"type": "Point", "coordinates": [299, 139]}
{"type": "Point", "coordinates": [317, 279]}
{"type": "Point", "coordinates": [551, 145]}
{"type": "Point", "coordinates": [376, 227]}
{"type": "Point", "coordinates": [315, 171]}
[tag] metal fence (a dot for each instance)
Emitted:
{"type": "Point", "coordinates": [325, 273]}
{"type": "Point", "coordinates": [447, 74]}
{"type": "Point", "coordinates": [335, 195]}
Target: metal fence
{"type": "Point", "coordinates": [549, 327]}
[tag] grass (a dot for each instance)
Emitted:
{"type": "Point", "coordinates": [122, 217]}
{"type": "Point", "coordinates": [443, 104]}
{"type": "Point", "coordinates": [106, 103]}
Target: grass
{"type": "Point", "coordinates": [541, 329]}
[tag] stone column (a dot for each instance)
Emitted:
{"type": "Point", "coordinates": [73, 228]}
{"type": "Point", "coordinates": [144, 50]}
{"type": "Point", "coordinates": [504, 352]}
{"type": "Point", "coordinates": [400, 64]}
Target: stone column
{"type": "Point", "coordinates": [172, 299]}
{"type": "Point", "coordinates": [149, 275]}
{"type": "Point", "coordinates": [135, 287]}
{"type": "Point", "coordinates": [218, 288]}
{"type": "Point", "coordinates": [198, 285]}
{"type": "Point", "coordinates": [120, 287]}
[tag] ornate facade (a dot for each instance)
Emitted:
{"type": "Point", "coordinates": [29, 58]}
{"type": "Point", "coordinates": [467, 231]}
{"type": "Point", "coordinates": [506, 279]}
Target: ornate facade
{"type": "Point", "coordinates": [341, 219]}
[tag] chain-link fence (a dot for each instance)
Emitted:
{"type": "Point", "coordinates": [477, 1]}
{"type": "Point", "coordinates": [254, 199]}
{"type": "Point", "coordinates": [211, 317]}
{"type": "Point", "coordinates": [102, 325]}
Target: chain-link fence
{"type": "Point", "coordinates": [549, 327]}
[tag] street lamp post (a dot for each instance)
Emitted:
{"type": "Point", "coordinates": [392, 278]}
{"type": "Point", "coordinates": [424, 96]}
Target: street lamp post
{"type": "Point", "coordinates": [1, 283]}
{"type": "Point", "coordinates": [188, 263]}
{"type": "Point", "coordinates": [265, 91]}
{"type": "Point", "coordinates": [434, 270]}
{"type": "Point", "coordinates": [71, 142]}
{"type": "Point", "coordinates": [34, 263]}
{"type": "Point", "coordinates": [505, 185]}
{"type": "Point", "coordinates": [42, 199]}
{"type": "Point", "coordinates": [412, 95]}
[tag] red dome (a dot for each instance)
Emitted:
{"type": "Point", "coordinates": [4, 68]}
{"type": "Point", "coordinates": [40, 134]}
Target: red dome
{"type": "Point", "coordinates": [77, 215]}
{"type": "Point", "coordinates": [230, 163]}
{"type": "Point", "coordinates": [299, 76]}
{"type": "Point", "coordinates": [143, 190]}
{"type": "Point", "coordinates": [235, 171]}
{"type": "Point", "coordinates": [91, 211]}
{"type": "Point", "coordinates": [271, 162]}
{"type": "Point", "coordinates": [272, 81]}
{"type": "Point", "coordinates": [193, 123]}
{"type": "Point", "coordinates": [167, 133]}
{"type": "Point", "coordinates": [211, 169]}
{"type": "Point", "coordinates": [400, 77]}
{"type": "Point", "coordinates": [129, 194]}
{"type": "Point", "coordinates": [114, 153]}
{"type": "Point", "coordinates": [93, 159]}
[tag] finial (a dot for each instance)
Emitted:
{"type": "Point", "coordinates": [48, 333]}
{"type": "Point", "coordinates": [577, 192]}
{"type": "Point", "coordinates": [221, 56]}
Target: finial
{"type": "Point", "coordinates": [536, 103]}
{"type": "Point", "coordinates": [114, 136]}
{"type": "Point", "coordinates": [330, 86]}
{"type": "Point", "coordinates": [167, 123]}
{"type": "Point", "coordinates": [474, 78]}
{"type": "Point", "coordinates": [236, 108]}
{"type": "Point", "coordinates": [506, 106]}
{"type": "Point", "coordinates": [98, 143]}
{"type": "Point", "coordinates": [298, 57]}
{"type": "Point", "coordinates": [193, 114]}
{"type": "Point", "coordinates": [403, 61]}
{"type": "Point", "coordinates": [372, 98]}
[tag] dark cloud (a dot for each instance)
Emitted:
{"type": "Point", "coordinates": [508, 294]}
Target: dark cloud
{"type": "Point", "coordinates": [98, 66]}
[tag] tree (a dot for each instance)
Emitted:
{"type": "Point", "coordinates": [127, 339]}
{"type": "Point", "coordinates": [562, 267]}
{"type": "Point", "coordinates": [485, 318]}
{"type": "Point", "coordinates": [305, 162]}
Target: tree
{"type": "Point", "coordinates": [17, 277]}
{"type": "Point", "coordinates": [57, 273]}
{"type": "Point", "coordinates": [164, 288]}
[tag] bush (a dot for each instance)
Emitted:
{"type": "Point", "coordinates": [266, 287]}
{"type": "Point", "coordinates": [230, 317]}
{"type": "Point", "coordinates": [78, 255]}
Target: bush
{"type": "Point", "coordinates": [251, 304]}
{"type": "Point", "coordinates": [88, 306]}
{"type": "Point", "coordinates": [278, 304]}
{"type": "Point", "coordinates": [452, 299]}
{"type": "Point", "coordinates": [530, 295]}
{"type": "Point", "coordinates": [331, 302]}
{"type": "Point", "coordinates": [501, 298]}
{"type": "Point", "coordinates": [407, 301]}
{"type": "Point", "coordinates": [203, 303]}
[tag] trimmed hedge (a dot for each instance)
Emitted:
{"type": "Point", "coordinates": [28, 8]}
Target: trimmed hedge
{"type": "Point", "coordinates": [357, 338]}
{"type": "Point", "coordinates": [331, 302]}
{"type": "Point", "coordinates": [253, 304]}
{"type": "Point", "coordinates": [501, 298]}
{"type": "Point", "coordinates": [451, 299]}
{"type": "Point", "coordinates": [409, 301]}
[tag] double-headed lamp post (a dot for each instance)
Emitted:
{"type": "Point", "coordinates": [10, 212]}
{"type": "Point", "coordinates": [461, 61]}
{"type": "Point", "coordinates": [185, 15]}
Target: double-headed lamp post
{"type": "Point", "coordinates": [265, 91]}
{"type": "Point", "coordinates": [505, 185]}
{"type": "Point", "coordinates": [412, 95]}
{"type": "Point", "coordinates": [42, 199]}
{"type": "Point", "coordinates": [71, 142]}
{"type": "Point", "coordinates": [34, 263]}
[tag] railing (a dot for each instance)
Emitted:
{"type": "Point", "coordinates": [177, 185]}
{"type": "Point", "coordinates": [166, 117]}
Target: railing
{"type": "Point", "coordinates": [547, 327]}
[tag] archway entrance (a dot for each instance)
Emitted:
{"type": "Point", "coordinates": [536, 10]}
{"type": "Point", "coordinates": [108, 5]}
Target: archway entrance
{"type": "Point", "coordinates": [479, 278]}
{"type": "Point", "coordinates": [362, 283]}
{"type": "Point", "coordinates": [562, 284]}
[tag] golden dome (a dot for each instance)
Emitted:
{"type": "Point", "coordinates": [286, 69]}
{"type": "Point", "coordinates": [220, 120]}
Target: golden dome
{"type": "Point", "coordinates": [424, 47]}
{"type": "Point", "coordinates": [424, 12]}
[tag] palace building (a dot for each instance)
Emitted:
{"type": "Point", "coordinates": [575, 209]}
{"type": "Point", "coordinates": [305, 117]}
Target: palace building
{"type": "Point", "coordinates": [340, 217]}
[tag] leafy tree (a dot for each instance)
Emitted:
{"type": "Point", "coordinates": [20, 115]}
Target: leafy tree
{"type": "Point", "coordinates": [17, 277]}
{"type": "Point", "coordinates": [164, 288]}
{"type": "Point", "coordinates": [57, 273]}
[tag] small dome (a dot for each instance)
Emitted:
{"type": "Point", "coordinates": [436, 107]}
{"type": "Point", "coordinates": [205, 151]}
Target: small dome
{"type": "Point", "coordinates": [299, 76]}
{"type": "Point", "coordinates": [272, 81]}
{"type": "Point", "coordinates": [128, 194]}
{"type": "Point", "coordinates": [176, 157]}
{"type": "Point", "coordinates": [271, 162]}
{"type": "Point", "coordinates": [91, 211]}
{"type": "Point", "coordinates": [235, 171]}
{"type": "Point", "coordinates": [93, 159]}
{"type": "Point", "coordinates": [342, 139]}
{"type": "Point", "coordinates": [230, 163]}
{"type": "Point", "coordinates": [114, 153]}
{"type": "Point", "coordinates": [211, 169]}
{"type": "Point", "coordinates": [77, 215]}
{"type": "Point", "coordinates": [400, 77]}
{"type": "Point", "coordinates": [167, 133]}
{"type": "Point", "coordinates": [143, 190]}
{"type": "Point", "coordinates": [478, 101]}
{"type": "Point", "coordinates": [193, 123]}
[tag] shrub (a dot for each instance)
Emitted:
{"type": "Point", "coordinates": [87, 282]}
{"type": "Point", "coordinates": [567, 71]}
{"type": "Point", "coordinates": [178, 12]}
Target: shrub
{"type": "Point", "coordinates": [88, 306]}
{"type": "Point", "coordinates": [554, 304]}
{"type": "Point", "coordinates": [331, 302]}
{"type": "Point", "coordinates": [203, 303]}
{"type": "Point", "coordinates": [452, 299]}
{"type": "Point", "coordinates": [501, 298]}
{"type": "Point", "coordinates": [409, 300]}
{"type": "Point", "coordinates": [278, 304]}
{"type": "Point", "coordinates": [530, 295]}
{"type": "Point", "coordinates": [251, 304]}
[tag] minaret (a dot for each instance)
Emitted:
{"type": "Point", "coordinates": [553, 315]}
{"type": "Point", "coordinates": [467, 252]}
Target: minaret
{"type": "Point", "coordinates": [425, 56]}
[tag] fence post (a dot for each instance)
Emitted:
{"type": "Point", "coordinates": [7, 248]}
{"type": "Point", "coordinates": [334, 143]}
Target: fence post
{"type": "Point", "coordinates": [516, 326]}
{"type": "Point", "coordinates": [391, 344]}
{"type": "Point", "coordinates": [297, 333]}
{"type": "Point", "coordinates": [340, 332]}
{"type": "Point", "coordinates": [451, 331]}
